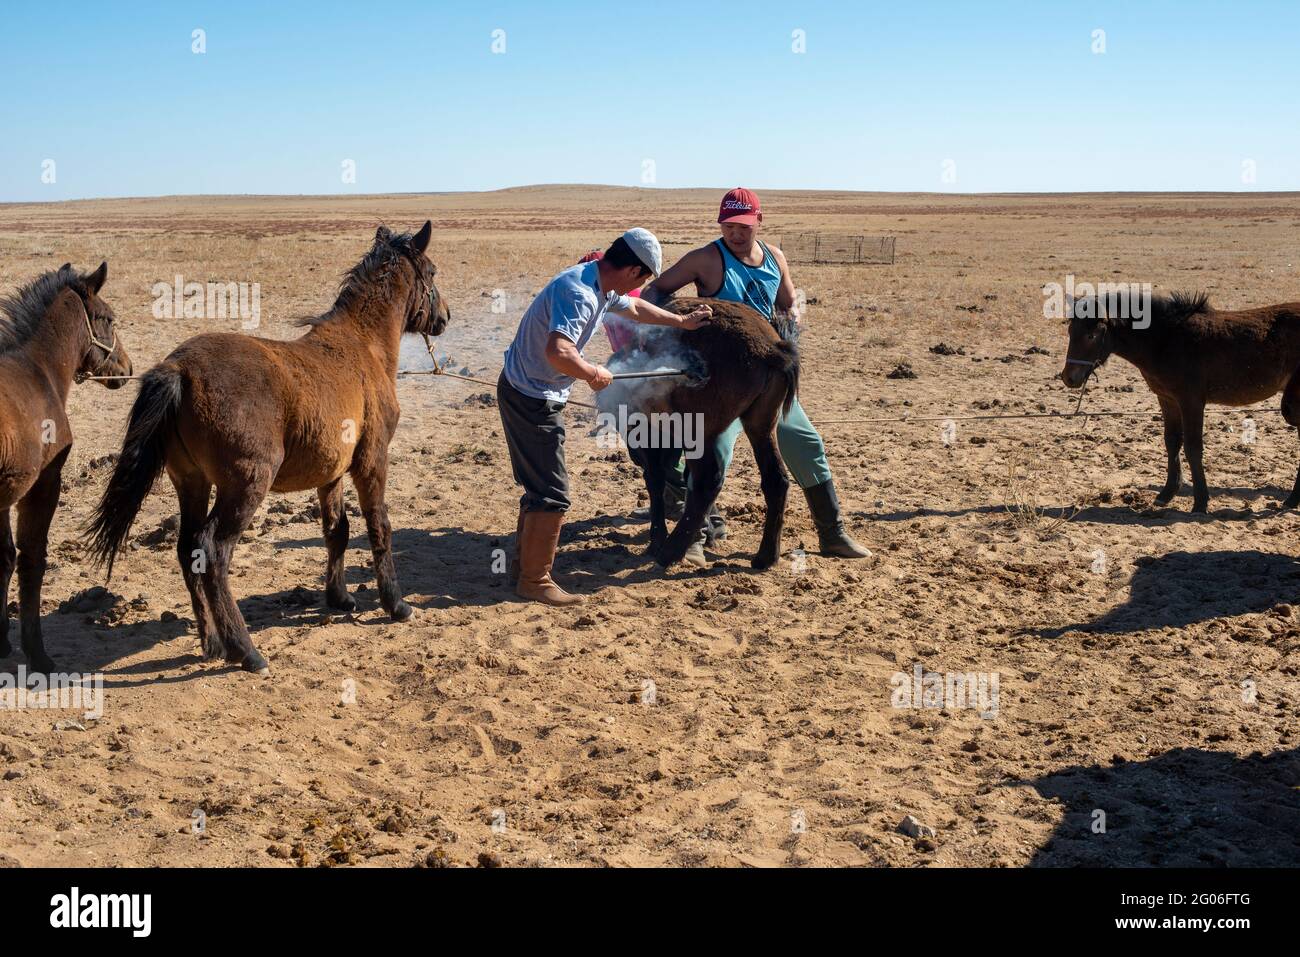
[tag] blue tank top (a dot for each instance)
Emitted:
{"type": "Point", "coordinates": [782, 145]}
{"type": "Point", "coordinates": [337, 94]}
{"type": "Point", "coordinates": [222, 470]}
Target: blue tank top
{"type": "Point", "coordinates": [755, 286]}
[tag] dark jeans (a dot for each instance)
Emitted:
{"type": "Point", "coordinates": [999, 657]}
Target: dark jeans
{"type": "Point", "coordinates": [534, 430]}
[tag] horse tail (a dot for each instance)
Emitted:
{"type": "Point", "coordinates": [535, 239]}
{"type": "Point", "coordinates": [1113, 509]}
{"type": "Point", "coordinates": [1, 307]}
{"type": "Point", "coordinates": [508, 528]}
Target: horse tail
{"type": "Point", "coordinates": [144, 453]}
{"type": "Point", "coordinates": [784, 359]}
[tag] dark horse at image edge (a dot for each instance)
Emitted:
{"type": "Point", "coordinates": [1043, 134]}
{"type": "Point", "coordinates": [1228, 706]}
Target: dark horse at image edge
{"type": "Point", "coordinates": [1191, 355]}
{"type": "Point", "coordinates": [248, 416]}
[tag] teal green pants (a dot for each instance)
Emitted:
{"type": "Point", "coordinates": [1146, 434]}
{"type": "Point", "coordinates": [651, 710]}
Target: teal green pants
{"type": "Point", "coordinates": [801, 448]}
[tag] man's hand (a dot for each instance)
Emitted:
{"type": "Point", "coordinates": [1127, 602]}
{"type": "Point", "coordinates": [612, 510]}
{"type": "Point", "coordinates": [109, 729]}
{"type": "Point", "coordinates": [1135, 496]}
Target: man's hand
{"type": "Point", "coordinates": [696, 318]}
{"type": "Point", "coordinates": [601, 379]}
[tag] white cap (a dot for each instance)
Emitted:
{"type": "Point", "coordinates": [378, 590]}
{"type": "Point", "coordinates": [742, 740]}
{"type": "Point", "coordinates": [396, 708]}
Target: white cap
{"type": "Point", "coordinates": [646, 247]}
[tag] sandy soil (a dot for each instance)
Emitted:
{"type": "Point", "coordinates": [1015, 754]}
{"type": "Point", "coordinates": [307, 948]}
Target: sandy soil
{"type": "Point", "coordinates": [1147, 660]}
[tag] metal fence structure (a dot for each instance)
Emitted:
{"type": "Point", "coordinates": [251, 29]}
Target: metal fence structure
{"type": "Point", "coordinates": [831, 248]}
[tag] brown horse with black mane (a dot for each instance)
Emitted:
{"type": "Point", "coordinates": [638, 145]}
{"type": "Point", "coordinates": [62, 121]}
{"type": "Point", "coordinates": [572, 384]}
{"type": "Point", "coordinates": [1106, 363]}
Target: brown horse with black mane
{"type": "Point", "coordinates": [1190, 354]}
{"type": "Point", "coordinates": [251, 416]}
{"type": "Point", "coordinates": [741, 368]}
{"type": "Point", "coordinates": [55, 330]}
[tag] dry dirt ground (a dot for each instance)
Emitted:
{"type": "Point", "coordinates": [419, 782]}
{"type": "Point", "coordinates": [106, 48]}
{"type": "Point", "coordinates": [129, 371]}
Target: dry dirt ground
{"type": "Point", "coordinates": [1146, 660]}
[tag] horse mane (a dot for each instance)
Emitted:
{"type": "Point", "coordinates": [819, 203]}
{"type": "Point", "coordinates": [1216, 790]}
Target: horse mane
{"type": "Point", "coordinates": [21, 312]}
{"type": "Point", "coordinates": [371, 277]}
{"type": "Point", "coordinates": [1166, 308]}
{"type": "Point", "coordinates": [1179, 306]}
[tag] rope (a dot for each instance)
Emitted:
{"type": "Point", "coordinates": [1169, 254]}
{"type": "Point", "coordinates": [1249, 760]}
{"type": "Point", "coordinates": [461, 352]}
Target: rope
{"type": "Point", "coordinates": [439, 370]}
{"type": "Point", "coordinates": [1077, 414]}
{"type": "Point", "coordinates": [1027, 415]}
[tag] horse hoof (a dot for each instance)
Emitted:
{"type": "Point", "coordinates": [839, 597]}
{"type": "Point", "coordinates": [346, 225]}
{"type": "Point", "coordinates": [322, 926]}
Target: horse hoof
{"type": "Point", "coordinates": [254, 663]}
{"type": "Point", "coordinates": [1162, 501]}
{"type": "Point", "coordinates": [6, 649]}
{"type": "Point", "coordinates": [1291, 502]}
{"type": "Point", "coordinates": [41, 665]}
{"type": "Point", "coordinates": [401, 611]}
{"type": "Point", "coordinates": [346, 603]}
{"type": "Point", "coordinates": [762, 562]}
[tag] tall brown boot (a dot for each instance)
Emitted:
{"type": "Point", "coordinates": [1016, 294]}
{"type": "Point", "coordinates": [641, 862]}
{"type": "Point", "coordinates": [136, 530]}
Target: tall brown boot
{"type": "Point", "coordinates": [541, 533]}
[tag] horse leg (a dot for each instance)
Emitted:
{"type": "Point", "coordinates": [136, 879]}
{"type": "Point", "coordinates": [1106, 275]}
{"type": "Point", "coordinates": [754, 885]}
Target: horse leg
{"type": "Point", "coordinates": [1291, 412]}
{"type": "Point", "coordinates": [702, 490]}
{"type": "Point", "coordinates": [35, 512]}
{"type": "Point", "coordinates": [654, 469]}
{"type": "Point", "coordinates": [8, 559]}
{"type": "Point", "coordinates": [1193, 415]}
{"type": "Point", "coordinates": [233, 510]}
{"type": "Point", "coordinates": [334, 523]}
{"type": "Point", "coordinates": [192, 492]}
{"type": "Point", "coordinates": [759, 424]}
{"type": "Point", "coordinates": [1173, 446]}
{"type": "Point", "coordinates": [370, 483]}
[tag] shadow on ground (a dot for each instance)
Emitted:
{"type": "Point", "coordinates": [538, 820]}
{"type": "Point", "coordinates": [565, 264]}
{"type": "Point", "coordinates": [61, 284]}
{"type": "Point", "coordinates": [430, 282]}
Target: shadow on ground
{"type": "Point", "coordinates": [1185, 808]}
{"type": "Point", "coordinates": [1183, 588]}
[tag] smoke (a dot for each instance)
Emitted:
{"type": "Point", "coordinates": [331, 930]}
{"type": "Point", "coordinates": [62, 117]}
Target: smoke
{"type": "Point", "coordinates": [658, 349]}
{"type": "Point", "coordinates": [414, 357]}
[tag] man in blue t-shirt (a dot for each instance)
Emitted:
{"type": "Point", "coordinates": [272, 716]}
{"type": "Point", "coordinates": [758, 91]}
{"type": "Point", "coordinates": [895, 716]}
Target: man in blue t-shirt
{"type": "Point", "coordinates": [541, 365]}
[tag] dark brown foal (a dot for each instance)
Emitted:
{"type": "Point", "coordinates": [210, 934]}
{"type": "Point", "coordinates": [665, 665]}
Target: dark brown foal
{"type": "Point", "coordinates": [1190, 355]}
{"type": "Point", "coordinates": [54, 331]}
{"type": "Point", "coordinates": [248, 416]}
{"type": "Point", "coordinates": [749, 373]}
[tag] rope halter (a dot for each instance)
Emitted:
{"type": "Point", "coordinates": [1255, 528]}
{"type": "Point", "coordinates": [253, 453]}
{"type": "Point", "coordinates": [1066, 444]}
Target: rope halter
{"type": "Point", "coordinates": [108, 347]}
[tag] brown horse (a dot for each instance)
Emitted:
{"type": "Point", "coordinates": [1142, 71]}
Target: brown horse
{"type": "Point", "coordinates": [55, 330]}
{"type": "Point", "coordinates": [250, 416]}
{"type": "Point", "coordinates": [741, 369]}
{"type": "Point", "coordinates": [1189, 354]}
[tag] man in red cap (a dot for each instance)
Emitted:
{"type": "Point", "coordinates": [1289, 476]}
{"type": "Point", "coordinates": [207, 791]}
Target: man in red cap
{"type": "Point", "coordinates": [739, 267]}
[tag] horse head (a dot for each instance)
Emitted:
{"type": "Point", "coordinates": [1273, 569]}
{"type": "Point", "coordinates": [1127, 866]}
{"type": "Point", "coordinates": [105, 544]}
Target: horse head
{"type": "Point", "coordinates": [428, 312]}
{"type": "Point", "coordinates": [104, 354]}
{"type": "Point", "coordinates": [1090, 340]}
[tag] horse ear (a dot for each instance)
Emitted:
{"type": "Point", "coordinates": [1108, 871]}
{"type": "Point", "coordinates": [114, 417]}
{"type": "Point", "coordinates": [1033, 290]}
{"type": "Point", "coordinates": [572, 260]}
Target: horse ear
{"type": "Point", "coordinates": [420, 241]}
{"type": "Point", "coordinates": [95, 281]}
{"type": "Point", "coordinates": [383, 234]}
{"type": "Point", "coordinates": [66, 267]}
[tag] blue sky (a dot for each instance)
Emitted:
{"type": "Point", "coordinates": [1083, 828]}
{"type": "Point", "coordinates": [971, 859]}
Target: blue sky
{"type": "Point", "coordinates": [712, 93]}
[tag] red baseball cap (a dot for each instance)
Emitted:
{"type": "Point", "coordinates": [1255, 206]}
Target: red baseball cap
{"type": "Point", "coordinates": [593, 256]}
{"type": "Point", "coordinates": [740, 206]}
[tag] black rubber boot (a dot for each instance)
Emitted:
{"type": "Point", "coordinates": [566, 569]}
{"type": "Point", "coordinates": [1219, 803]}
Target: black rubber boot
{"type": "Point", "coordinates": [715, 526]}
{"type": "Point", "coordinates": [674, 505]}
{"type": "Point", "coordinates": [831, 535]}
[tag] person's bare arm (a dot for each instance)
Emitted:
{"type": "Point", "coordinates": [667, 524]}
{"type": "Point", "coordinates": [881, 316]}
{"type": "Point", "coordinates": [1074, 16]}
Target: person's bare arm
{"type": "Point", "coordinates": [677, 276]}
{"type": "Point", "coordinates": [785, 293]}
{"type": "Point", "coordinates": [649, 313]}
{"type": "Point", "coordinates": [564, 356]}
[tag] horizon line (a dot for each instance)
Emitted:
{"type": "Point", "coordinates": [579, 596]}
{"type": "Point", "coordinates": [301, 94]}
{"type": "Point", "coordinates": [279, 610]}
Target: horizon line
{"type": "Point", "coordinates": [475, 191]}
